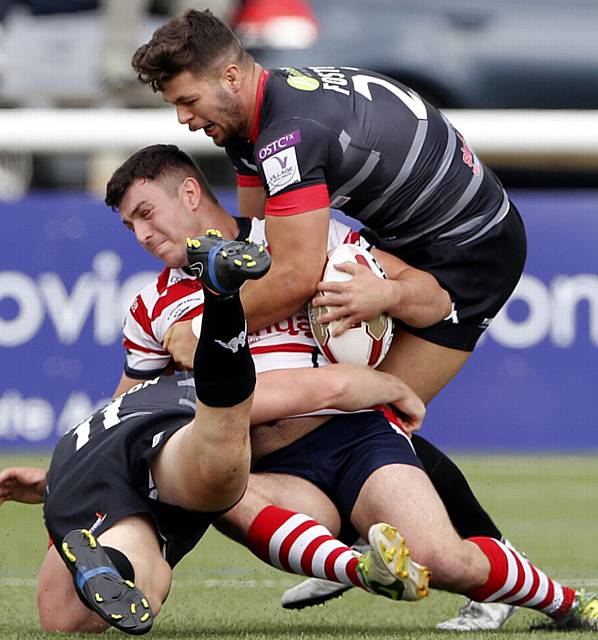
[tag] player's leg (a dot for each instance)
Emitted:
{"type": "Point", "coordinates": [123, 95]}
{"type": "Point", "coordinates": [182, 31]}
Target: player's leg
{"type": "Point", "coordinates": [133, 552]}
{"type": "Point", "coordinates": [425, 366]}
{"type": "Point", "coordinates": [294, 542]}
{"type": "Point", "coordinates": [205, 465]}
{"type": "Point", "coordinates": [481, 568]}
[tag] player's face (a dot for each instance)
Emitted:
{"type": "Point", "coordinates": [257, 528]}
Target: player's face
{"type": "Point", "coordinates": [160, 220]}
{"type": "Point", "coordinates": [208, 104]}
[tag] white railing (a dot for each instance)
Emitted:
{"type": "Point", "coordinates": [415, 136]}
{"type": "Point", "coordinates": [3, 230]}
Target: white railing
{"type": "Point", "coordinates": [565, 138]}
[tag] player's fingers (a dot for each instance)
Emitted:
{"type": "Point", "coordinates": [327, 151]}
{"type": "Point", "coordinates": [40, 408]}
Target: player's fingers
{"type": "Point", "coordinates": [331, 314]}
{"type": "Point", "coordinates": [346, 323]}
{"type": "Point", "coordinates": [347, 267]}
{"type": "Point", "coordinates": [331, 287]}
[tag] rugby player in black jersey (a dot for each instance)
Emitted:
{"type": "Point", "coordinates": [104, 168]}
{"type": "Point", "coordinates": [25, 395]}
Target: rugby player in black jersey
{"type": "Point", "coordinates": [305, 140]}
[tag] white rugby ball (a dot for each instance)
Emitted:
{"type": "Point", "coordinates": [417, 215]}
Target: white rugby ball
{"type": "Point", "coordinates": [365, 343]}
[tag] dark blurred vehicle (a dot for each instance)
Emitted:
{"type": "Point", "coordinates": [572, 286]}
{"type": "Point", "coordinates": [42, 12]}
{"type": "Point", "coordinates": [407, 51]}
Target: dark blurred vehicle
{"type": "Point", "coordinates": [462, 53]}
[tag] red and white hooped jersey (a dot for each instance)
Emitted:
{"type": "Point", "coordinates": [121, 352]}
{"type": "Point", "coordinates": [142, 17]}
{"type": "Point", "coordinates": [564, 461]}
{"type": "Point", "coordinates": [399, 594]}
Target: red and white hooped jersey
{"type": "Point", "coordinates": [175, 296]}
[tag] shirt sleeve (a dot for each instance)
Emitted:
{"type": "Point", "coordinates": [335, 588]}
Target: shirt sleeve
{"type": "Point", "coordinates": [240, 153]}
{"type": "Point", "coordinates": [291, 158]}
{"type": "Point", "coordinates": [145, 357]}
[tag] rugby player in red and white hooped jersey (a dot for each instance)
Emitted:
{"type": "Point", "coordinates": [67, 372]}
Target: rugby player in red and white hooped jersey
{"type": "Point", "coordinates": [163, 198]}
{"type": "Point", "coordinates": [175, 296]}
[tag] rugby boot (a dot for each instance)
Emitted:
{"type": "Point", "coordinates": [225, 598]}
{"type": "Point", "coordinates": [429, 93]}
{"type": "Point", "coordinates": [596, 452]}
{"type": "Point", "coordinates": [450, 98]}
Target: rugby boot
{"type": "Point", "coordinates": [224, 265]}
{"type": "Point", "coordinates": [388, 569]}
{"type": "Point", "coordinates": [118, 601]}
{"type": "Point", "coordinates": [582, 615]}
{"type": "Point", "coordinates": [479, 616]}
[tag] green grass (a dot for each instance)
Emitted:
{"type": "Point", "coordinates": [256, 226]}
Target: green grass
{"type": "Point", "coordinates": [548, 507]}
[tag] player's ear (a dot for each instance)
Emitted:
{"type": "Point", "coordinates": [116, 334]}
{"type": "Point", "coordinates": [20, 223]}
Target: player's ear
{"type": "Point", "coordinates": [233, 77]}
{"type": "Point", "coordinates": [191, 192]}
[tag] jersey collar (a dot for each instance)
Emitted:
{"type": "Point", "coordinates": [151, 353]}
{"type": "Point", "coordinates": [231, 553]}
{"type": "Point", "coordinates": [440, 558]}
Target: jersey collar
{"type": "Point", "coordinates": [255, 127]}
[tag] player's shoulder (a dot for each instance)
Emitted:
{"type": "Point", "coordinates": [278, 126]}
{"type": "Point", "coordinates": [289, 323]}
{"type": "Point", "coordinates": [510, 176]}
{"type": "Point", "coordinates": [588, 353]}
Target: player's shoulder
{"type": "Point", "coordinates": [164, 282]}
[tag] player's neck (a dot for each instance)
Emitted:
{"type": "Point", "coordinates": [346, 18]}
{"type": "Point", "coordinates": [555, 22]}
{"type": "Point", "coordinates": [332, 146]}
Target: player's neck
{"type": "Point", "coordinates": [251, 107]}
{"type": "Point", "coordinates": [214, 216]}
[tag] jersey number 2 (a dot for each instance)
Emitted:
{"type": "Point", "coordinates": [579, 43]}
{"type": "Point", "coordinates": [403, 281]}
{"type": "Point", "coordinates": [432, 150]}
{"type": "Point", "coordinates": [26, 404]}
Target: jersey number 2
{"type": "Point", "coordinates": [411, 100]}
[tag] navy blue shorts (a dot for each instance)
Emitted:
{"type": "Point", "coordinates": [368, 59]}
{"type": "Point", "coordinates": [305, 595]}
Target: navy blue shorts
{"type": "Point", "coordinates": [341, 455]}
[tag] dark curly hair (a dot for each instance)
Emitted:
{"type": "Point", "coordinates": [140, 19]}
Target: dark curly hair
{"type": "Point", "coordinates": [151, 163]}
{"type": "Point", "coordinates": [193, 42]}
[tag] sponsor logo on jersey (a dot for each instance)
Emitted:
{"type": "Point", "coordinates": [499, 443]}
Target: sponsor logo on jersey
{"type": "Point", "coordinates": [303, 83]}
{"type": "Point", "coordinates": [468, 156]}
{"type": "Point", "coordinates": [288, 140]}
{"type": "Point", "coordinates": [180, 310]}
{"type": "Point", "coordinates": [281, 170]}
{"type": "Point", "coordinates": [235, 343]}
{"type": "Point", "coordinates": [298, 80]}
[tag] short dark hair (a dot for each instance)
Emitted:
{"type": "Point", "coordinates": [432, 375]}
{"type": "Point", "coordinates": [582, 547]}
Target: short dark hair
{"type": "Point", "coordinates": [153, 162]}
{"type": "Point", "coordinates": [192, 42]}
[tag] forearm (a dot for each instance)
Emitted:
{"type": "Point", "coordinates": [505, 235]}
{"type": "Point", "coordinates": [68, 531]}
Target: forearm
{"type": "Point", "coordinates": [277, 295]}
{"type": "Point", "coordinates": [290, 392]}
{"type": "Point", "coordinates": [416, 298]}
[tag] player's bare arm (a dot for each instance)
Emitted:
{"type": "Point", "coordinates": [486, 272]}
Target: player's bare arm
{"type": "Point", "coordinates": [409, 294]}
{"type": "Point", "coordinates": [288, 392]}
{"type": "Point", "coordinates": [297, 245]}
{"type": "Point", "coordinates": [22, 484]}
{"type": "Point", "coordinates": [251, 201]}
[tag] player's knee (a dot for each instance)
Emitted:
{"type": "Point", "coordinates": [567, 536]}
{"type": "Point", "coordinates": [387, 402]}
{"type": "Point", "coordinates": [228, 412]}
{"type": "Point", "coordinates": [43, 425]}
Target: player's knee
{"type": "Point", "coordinates": [66, 615]}
{"type": "Point", "coordinates": [450, 565]}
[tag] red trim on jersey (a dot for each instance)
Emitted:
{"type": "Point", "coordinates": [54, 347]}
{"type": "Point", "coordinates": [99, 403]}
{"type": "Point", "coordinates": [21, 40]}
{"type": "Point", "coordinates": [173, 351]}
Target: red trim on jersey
{"type": "Point", "coordinates": [298, 201]}
{"type": "Point", "coordinates": [129, 344]}
{"type": "Point", "coordinates": [141, 316]}
{"type": "Point", "coordinates": [289, 347]}
{"type": "Point", "coordinates": [259, 99]}
{"type": "Point", "coordinates": [248, 181]}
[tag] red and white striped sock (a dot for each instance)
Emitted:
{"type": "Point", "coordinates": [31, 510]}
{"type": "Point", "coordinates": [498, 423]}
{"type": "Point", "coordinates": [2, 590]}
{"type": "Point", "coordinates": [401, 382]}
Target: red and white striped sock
{"type": "Point", "coordinates": [294, 542]}
{"type": "Point", "coordinates": [515, 580]}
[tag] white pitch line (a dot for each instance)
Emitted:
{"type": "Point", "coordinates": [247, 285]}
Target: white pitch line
{"type": "Point", "coordinates": [211, 583]}
{"type": "Point", "coordinates": [231, 583]}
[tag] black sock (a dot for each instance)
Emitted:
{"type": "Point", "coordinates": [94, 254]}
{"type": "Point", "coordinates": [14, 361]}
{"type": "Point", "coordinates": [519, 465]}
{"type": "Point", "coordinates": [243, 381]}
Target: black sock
{"type": "Point", "coordinates": [222, 366]}
{"type": "Point", "coordinates": [466, 513]}
{"type": "Point", "coordinates": [121, 562]}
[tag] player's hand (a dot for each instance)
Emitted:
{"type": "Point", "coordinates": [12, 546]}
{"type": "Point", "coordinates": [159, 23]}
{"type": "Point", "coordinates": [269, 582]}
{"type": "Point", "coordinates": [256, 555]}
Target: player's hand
{"type": "Point", "coordinates": [180, 342]}
{"type": "Point", "coordinates": [363, 297]}
{"type": "Point", "coordinates": [22, 484]}
{"type": "Point", "coordinates": [410, 410]}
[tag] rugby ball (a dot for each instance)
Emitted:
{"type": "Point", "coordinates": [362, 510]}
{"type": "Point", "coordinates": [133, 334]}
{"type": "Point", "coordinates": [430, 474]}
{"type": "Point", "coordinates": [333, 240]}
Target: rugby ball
{"type": "Point", "coordinates": [365, 343]}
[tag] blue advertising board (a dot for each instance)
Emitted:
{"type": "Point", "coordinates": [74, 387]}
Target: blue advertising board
{"type": "Point", "coordinates": [68, 271]}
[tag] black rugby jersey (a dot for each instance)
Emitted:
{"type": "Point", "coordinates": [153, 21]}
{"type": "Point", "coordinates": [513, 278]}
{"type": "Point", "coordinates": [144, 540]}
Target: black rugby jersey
{"type": "Point", "coordinates": [100, 469]}
{"type": "Point", "coordinates": [363, 143]}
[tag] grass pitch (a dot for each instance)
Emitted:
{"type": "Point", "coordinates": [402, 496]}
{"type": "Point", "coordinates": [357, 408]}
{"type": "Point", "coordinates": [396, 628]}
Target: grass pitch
{"type": "Point", "coordinates": [547, 506]}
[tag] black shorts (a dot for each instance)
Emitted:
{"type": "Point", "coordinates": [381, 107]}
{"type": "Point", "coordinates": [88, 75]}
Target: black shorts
{"type": "Point", "coordinates": [109, 479]}
{"type": "Point", "coordinates": [479, 276]}
{"type": "Point", "coordinates": [340, 456]}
